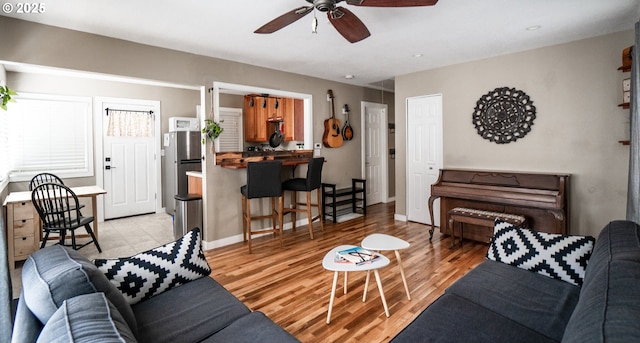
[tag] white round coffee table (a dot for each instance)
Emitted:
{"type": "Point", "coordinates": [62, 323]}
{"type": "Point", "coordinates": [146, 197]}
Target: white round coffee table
{"type": "Point", "coordinates": [329, 263]}
{"type": "Point", "coordinates": [382, 242]}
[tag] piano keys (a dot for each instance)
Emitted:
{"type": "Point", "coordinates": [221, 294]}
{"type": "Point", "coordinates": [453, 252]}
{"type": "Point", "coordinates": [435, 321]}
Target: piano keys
{"type": "Point", "coordinates": [542, 198]}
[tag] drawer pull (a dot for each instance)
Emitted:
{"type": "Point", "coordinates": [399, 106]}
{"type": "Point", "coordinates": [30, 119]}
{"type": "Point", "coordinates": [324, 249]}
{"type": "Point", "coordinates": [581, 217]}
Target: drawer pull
{"type": "Point", "coordinates": [24, 238]}
{"type": "Point", "coordinates": [24, 220]}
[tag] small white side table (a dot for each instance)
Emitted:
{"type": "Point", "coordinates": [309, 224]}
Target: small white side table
{"type": "Point", "coordinates": [329, 263]}
{"type": "Point", "coordinates": [382, 242]}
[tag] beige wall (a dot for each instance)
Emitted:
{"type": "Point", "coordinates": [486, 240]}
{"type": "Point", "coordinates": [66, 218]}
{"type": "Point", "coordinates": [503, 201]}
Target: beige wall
{"type": "Point", "coordinates": [174, 102]}
{"type": "Point", "coordinates": [575, 88]}
{"type": "Point", "coordinates": [37, 44]}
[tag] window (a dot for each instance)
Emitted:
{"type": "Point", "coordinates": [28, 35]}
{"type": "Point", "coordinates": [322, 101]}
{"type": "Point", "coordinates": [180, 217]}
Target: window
{"type": "Point", "coordinates": [231, 137]}
{"type": "Point", "coordinates": [50, 133]}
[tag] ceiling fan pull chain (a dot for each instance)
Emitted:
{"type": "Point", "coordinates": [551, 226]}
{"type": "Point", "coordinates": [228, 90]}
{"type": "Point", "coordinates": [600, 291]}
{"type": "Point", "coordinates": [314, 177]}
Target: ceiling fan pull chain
{"type": "Point", "coordinates": [314, 23]}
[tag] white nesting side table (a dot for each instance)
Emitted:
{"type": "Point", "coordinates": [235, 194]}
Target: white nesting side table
{"type": "Point", "coordinates": [382, 242]}
{"type": "Point", "coordinates": [329, 263]}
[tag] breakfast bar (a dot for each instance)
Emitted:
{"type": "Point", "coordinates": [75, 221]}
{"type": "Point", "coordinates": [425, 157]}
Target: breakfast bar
{"type": "Point", "coordinates": [239, 160]}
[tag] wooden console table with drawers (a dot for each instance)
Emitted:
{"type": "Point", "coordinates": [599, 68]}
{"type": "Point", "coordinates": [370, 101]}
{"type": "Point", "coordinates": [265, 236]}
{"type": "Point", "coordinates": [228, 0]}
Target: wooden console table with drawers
{"type": "Point", "coordinates": [24, 228]}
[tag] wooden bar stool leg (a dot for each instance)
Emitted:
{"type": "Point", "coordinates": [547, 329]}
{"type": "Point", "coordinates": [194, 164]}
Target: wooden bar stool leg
{"type": "Point", "coordinates": [280, 218]}
{"type": "Point", "coordinates": [249, 223]}
{"type": "Point", "coordinates": [309, 216]}
{"type": "Point", "coordinates": [320, 210]}
{"type": "Point", "coordinates": [294, 206]}
{"type": "Point", "coordinates": [274, 216]}
{"type": "Point", "coordinates": [244, 218]}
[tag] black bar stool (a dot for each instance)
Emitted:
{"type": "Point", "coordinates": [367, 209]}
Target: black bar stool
{"type": "Point", "coordinates": [313, 181]}
{"type": "Point", "coordinates": [263, 181]}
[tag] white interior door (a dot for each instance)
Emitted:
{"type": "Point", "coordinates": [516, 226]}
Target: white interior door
{"type": "Point", "coordinates": [424, 155]}
{"type": "Point", "coordinates": [374, 150]}
{"type": "Point", "coordinates": [129, 160]}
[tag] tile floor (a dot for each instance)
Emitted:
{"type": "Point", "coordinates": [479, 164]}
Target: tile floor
{"type": "Point", "coordinates": [119, 238]}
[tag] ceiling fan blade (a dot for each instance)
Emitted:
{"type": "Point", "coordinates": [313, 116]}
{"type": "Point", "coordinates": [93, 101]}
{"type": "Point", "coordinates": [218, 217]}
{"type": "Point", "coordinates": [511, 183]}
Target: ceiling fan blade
{"type": "Point", "coordinates": [392, 3]}
{"type": "Point", "coordinates": [284, 20]}
{"type": "Point", "coordinates": [348, 25]}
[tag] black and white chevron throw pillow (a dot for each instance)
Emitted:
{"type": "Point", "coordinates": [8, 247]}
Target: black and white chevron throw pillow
{"type": "Point", "coordinates": [556, 256]}
{"type": "Point", "coordinates": [154, 271]}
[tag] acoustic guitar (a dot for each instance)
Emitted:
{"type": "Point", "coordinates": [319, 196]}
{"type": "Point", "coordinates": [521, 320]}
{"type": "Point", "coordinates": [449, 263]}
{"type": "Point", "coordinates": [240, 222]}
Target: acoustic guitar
{"type": "Point", "coordinates": [347, 130]}
{"type": "Point", "coordinates": [332, 137]}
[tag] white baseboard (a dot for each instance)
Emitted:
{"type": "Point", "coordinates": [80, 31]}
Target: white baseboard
{"type": "Point", "coordinates": [400, 217]}
{"type": "Point", "coordinates": [238, 238]}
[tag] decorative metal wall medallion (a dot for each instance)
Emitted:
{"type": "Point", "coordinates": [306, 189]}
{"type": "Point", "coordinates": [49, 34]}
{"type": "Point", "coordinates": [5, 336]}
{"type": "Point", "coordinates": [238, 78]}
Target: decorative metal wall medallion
{"type": "Point", "coordinates": [504, 115]}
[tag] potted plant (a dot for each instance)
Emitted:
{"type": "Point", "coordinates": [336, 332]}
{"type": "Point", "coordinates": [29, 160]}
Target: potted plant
{"type": "Point", "coordinates": [5, 95]}
{"type": "Point", "coordinates": [212, 129]}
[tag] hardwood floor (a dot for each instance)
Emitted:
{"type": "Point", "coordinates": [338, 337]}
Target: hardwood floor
{"type": "Point", "coordinates": [290, 286]}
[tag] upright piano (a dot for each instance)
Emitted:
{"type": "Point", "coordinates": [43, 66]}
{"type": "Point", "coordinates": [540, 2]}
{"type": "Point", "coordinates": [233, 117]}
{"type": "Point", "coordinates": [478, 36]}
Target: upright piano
{"type": "Point", "coordinates": [542, 198]}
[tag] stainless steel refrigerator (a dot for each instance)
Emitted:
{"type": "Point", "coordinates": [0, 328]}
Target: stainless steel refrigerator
{"type": "Point", "coordinates": [182, 154]}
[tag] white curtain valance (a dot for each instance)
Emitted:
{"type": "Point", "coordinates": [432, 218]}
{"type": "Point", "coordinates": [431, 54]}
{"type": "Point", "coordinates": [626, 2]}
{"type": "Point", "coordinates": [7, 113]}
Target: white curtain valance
{"type": "Point", "coordinates": [130, 123]}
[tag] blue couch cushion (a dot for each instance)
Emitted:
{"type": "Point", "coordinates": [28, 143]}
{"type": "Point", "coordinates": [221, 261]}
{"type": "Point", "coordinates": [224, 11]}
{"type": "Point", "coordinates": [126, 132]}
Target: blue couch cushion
{"type": "Point", "coordinates": [188, 313]}
{"type": "Point", "coordinates": [89, 318]}
{"type": "Point", "coordinates": [154, 271]}
{"type": "Point", "coordinates": [609, 306]}
{"type": "Point", "coordinates": [533, 300]}
{"type": "Point", "coordinates": [452, 319]}
{"type": "Point", "coordinates": [254, 327]}
{"type": "Point", "coordinates": [56, 273]}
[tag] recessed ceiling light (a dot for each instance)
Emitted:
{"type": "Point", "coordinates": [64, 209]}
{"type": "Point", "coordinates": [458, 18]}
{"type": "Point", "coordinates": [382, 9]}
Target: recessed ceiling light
{"type": "Point", "coordinates": [417, 55]}
{"type": "Point", "coordinates": [533, 28]}
{"type": "Point", "coordinates": [349, 76]}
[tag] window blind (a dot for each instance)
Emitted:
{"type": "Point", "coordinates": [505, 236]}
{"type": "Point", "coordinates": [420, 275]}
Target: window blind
{"type": "Point", "coordinates": [231, 138]}
{"type": "Point", "coordinates": [50, 133]}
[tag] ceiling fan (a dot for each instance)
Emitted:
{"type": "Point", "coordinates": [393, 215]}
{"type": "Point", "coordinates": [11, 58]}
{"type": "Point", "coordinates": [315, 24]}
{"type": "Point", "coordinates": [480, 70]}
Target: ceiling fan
{"type": "Point", "coordinates": [347, 24]}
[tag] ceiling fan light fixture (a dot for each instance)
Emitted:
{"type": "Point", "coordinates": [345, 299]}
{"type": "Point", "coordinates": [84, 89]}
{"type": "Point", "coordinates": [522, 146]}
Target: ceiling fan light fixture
{"type": "Point", "coordinates": [324, 5]}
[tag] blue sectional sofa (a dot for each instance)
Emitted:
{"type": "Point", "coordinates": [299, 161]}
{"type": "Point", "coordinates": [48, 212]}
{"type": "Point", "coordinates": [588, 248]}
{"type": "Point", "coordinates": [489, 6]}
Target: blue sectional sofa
{"type": "Point", "coordinates": [498, 302]}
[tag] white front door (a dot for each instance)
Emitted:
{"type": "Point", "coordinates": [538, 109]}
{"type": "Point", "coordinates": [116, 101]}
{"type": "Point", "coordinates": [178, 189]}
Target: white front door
{"type": "Point", "coordinates": [129, 165]}
{"type": "Point", "coordinates": [424, 155]}
{"type": "Point", "coordinates": [374, 150]}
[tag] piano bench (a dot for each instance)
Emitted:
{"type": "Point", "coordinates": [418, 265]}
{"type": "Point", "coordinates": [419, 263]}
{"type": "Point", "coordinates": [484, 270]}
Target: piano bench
{"type": "Point", "coordinates": [474, 216]}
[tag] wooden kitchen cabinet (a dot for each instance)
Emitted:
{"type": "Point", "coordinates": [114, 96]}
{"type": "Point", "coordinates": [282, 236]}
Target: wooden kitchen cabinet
{"type": "Point", "coordinates": [261, 115]}
{"type": "Point", "coordinates": [257, 111]}
{"type": "Point", "coordinates": [298, 120]}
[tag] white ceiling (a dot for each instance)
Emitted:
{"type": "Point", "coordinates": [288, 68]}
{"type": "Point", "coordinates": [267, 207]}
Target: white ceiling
{"type": "Point", "coordinates": [451, 32]}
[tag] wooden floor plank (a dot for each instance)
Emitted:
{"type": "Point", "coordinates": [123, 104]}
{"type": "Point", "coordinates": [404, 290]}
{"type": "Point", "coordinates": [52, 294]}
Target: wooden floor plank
{"type": "Point", "coordinates": [290, 286]}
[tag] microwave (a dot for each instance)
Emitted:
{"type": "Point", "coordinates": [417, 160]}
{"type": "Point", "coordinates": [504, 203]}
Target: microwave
{"type": "Point", "coordinates": [183, 124]}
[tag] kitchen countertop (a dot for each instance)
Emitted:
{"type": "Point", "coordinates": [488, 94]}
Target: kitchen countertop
{"type": "Point", "coordinates": [239, 159]}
